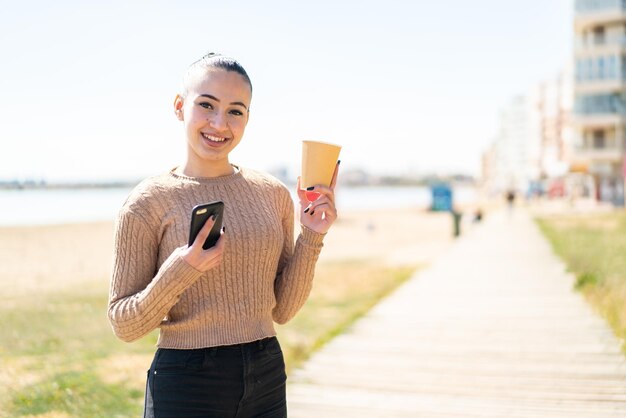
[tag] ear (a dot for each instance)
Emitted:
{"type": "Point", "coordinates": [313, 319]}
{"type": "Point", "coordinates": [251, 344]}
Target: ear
{"type": "Point", "coordinates": [178, 107]}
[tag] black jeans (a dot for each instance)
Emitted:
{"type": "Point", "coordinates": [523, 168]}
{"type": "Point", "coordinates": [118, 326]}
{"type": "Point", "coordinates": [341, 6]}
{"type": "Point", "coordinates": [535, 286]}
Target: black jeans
{"type": "Point", "coordinates": [235, 381]}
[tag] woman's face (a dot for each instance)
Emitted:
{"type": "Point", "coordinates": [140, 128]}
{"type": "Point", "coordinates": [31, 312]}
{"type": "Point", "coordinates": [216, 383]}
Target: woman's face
{"type": "Point", "coordinates": [215, 113]}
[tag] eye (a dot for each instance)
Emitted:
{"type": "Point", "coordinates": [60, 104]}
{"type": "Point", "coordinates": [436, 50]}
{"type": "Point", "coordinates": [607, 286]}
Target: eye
{"type": "Point", "coordinates": [236, 112]}
{"type": "Point", "coordinates": [206, 105]}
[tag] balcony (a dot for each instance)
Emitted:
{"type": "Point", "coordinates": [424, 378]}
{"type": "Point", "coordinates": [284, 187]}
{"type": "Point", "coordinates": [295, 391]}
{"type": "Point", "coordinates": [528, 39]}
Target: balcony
{"type": "Point", "coordinates": [600, 74]}
{"type": "Point", "coordinates": [600, 120]}
{"type": "Point", "coordinates": [599, 87]}
{"type": "Point", "coordinates": [598, 12]}
{"type": "Point", "coordinates": [589, 47]}
{"type": "Point", "coordinates": [586, 6]}
{"type": "Point", "coordinates": [612, 155]}
{"type": "Point", "coordinates": [599, 110]}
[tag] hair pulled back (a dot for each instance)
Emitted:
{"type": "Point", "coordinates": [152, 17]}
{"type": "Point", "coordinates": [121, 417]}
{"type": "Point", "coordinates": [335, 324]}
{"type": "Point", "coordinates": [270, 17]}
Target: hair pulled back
{"type": "Point", "coordinates": [214, 60]}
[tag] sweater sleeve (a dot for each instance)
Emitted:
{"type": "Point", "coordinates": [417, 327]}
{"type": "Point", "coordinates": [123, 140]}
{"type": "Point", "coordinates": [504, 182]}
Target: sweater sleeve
{"type": "Point", "coordinates": [141, 294]}
{"type": "Point", "coordinates": [296, 267]}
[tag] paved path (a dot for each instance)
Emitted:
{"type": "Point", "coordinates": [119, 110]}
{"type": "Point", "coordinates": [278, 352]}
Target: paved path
{"type": "Point", "coordinates": [491, 329]}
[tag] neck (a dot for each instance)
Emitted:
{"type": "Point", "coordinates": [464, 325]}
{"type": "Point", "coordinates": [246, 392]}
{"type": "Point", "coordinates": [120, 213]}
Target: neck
{"type": "Point", "coordinates": [216, 169]}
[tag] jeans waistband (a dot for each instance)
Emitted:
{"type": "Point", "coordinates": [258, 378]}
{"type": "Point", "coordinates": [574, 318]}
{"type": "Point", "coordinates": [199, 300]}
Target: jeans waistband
{"type": "Point", "coordinates": [258, 344]}
{"type": "Point", "coordinates": [253, 346]}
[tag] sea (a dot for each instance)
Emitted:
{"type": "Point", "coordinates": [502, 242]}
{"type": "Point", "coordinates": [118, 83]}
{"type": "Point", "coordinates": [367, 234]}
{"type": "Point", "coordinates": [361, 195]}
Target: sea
{"type": "Point", "coordinates": [62, 206]}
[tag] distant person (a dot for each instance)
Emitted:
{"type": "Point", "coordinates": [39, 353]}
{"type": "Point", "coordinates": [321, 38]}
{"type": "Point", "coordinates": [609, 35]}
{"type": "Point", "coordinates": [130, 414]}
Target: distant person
{"type": "Point", "coordinates": [510, 199]}
{"type": "Point", "coordinates": [215, 309]}
{"type": "Point", "coordinates": [478, 215]}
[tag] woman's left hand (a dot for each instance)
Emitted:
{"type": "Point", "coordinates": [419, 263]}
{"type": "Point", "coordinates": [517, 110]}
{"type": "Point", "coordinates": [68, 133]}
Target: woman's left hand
{"type": "Point", "coordinates": [320, 214]}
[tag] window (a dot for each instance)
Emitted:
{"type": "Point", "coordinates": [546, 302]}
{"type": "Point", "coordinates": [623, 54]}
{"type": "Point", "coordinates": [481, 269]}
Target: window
{"type": "Point", "coordinates": [594, 5]}
{"type": "Point", "coordinates": [611, 70]}
{"type": "Point", "coordinates": [617, 103]}
{"type": "Point", "coordinates": [598, 35]}
{"type": "Point", "coordinates": [598, 139]}
{"type": "Point", "coordinates": [599, 104]}
{"type": "Point", "coordinates": [601, 75]}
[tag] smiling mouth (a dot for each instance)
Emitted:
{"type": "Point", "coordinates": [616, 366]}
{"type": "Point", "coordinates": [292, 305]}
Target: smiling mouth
{"type": "Point", "coordinates": [214, 139]}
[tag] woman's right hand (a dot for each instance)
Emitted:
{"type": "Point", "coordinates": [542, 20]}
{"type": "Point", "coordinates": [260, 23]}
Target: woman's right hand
{"type": "Point", "coordinates": [201, 259]}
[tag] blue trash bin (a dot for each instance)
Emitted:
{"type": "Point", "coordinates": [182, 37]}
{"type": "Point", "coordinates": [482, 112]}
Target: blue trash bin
{"type": "Point", "coordinates": [442, 198]}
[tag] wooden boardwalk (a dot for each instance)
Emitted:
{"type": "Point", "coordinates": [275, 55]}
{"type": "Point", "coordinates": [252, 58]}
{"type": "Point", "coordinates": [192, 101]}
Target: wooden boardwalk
{"type": "Point", "coordinates": [491, 329]}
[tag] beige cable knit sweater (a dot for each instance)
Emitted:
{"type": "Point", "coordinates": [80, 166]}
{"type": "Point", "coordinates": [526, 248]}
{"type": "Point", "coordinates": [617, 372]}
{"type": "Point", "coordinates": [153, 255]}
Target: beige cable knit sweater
{"type": "Point", "coordinates": [263, 277]}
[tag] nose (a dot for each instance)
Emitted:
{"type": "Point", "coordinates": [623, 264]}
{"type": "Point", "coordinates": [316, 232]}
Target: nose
{"type": "Point", "coordinates": [217, 121]}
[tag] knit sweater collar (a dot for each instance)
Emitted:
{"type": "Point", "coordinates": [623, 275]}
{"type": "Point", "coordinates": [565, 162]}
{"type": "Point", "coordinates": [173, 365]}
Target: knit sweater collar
{"type": "Point", "coordinates": [228, 179]}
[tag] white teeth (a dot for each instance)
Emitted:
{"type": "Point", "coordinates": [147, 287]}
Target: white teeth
{"type": "Point", "coordinates": [214, 138]}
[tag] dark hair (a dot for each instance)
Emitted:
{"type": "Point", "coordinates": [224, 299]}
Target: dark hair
{"type": "Point", "coordinates": [215, 60]}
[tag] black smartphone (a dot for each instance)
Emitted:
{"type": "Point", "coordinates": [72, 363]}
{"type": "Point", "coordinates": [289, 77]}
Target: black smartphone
{"type": "Point", "coordinates": [199, 215]}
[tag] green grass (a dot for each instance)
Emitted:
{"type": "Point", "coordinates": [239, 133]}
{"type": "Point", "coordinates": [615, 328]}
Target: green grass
{"type": "Point", "coordinates": [60, 358]}
{"type": "Point", "coordinates": [594, 249]}
{"type": "Point", "coordinates": [56, 347]}
{"type": "Point", "coordinates": [78, 393]}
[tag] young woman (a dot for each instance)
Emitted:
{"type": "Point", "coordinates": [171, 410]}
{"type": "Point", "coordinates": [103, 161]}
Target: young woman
{"type": "Point", "coordinates": [217, 352]}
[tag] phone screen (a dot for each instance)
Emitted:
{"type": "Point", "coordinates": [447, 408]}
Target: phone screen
{"type": "Point", "coordinates": [199, 215]}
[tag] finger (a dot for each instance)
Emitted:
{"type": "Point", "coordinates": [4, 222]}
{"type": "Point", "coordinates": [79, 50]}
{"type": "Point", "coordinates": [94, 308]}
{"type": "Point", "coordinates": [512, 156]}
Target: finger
{"type": "Point", "coordinates": [221, 241]}
{"type": "Point", "coordinates": [325, 214]}
{"type": "Point", "coordinates": [324, 191]}
{"type": "Point", "coordinates": [333, 182]}
{"type": "Point", "coordinates": [204, 232]}
{"type": "Point", "coordinates": [301, 193]}
{"type": "Point", "coordinates": [314, 206]}
{"type": "Point", "coordinates": [329, 213]}
{"type": "Point", "coordinates": [321, 209]}
{"type": "Point", "coordinates": [212, 257]}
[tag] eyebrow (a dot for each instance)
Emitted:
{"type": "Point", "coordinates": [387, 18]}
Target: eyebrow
{"type": "Point", "coordinates": [218, 100]}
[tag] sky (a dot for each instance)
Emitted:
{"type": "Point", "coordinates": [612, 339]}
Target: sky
{"type": "Point", "coordinates": [405, 87]}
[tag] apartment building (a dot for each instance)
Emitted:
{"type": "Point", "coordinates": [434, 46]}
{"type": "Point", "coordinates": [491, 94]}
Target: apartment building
{"type": "Point", "coordinates": [532, 150]}
{"type": "Point", "coordinates": [599, 119]}
{"type": "Point", "coordinates": [512, 162]}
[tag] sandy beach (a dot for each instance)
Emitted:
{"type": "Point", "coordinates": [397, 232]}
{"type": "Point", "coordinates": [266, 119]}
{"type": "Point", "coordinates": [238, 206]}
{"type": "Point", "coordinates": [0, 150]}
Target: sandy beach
{"type": "Point", "coordinates": [53, 282]}
{"type": "Point", "coordinates": [47, 258]}
{"type": "Point", "coordinates": [395, 237]}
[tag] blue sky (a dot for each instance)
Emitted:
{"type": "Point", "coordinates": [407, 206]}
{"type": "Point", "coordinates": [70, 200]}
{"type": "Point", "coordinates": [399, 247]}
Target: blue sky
{"type": "Point", "coordinates": [404, 86]}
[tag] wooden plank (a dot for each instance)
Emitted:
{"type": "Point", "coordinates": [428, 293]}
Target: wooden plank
{"type": "Point", "coordinates": [492, 329]}
{"type": "Point", "coordinates": [388, 403]}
